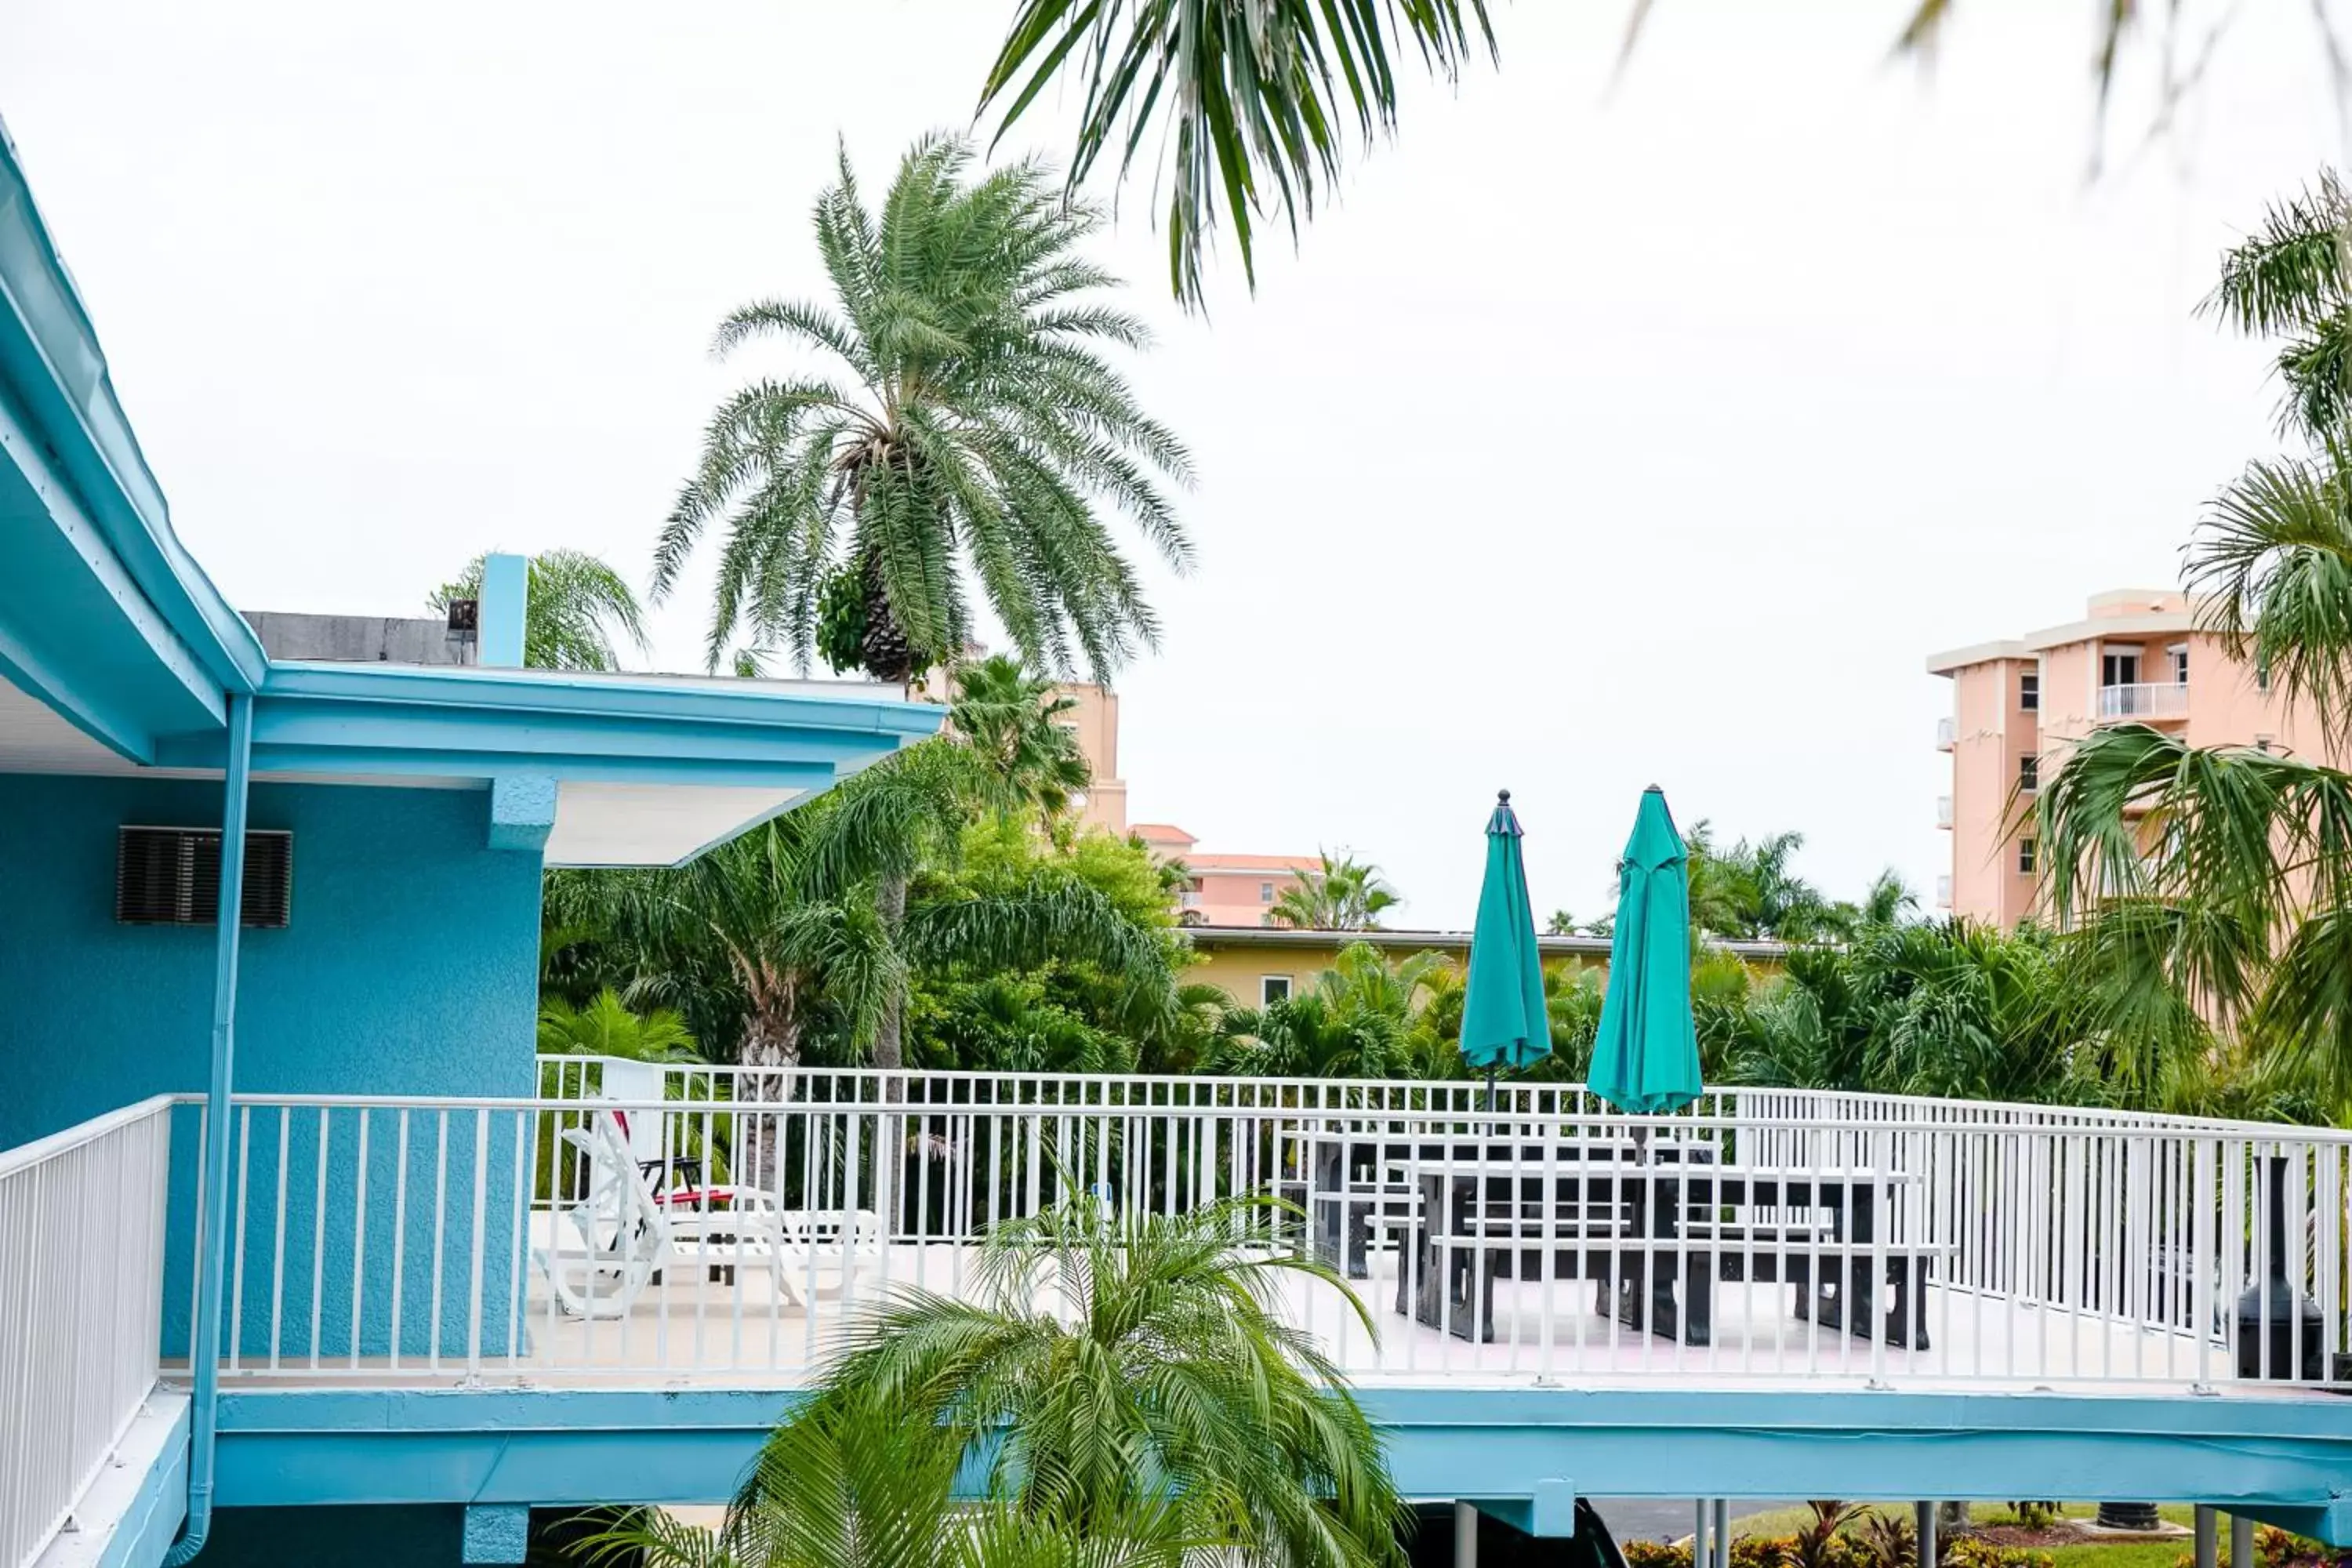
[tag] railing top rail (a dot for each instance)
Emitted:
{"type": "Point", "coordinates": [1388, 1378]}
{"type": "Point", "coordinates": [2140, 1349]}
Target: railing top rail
{"type": "Point", "coordinates": [1501, 1116]}
{"type": "Point", "coordinates": [26, 1155]}
{"type": "Point", "coordinates": [2048, 1111]}
{"type": "Point", "coordinates": [978, 1075]}
{"type": "Point", "coordinates": [2161, 1119]}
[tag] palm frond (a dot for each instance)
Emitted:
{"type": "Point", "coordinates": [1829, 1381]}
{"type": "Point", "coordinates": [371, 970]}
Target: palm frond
{"type": "Point", "coordinates": [1254, 99]}
{"type": "Point", "coordinates": [2271, 561]}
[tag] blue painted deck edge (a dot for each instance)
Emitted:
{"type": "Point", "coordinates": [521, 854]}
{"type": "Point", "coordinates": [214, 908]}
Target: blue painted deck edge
{"type": "Point", "coordinates": [148, 1526]}
{"type": "Point", "coordinates": [2288, 1458]}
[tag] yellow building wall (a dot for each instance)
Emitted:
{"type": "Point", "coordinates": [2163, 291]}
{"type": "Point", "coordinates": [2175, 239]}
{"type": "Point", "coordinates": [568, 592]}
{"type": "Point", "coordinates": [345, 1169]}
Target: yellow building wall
{"type": "Point", "coordinates": [1238, 969]}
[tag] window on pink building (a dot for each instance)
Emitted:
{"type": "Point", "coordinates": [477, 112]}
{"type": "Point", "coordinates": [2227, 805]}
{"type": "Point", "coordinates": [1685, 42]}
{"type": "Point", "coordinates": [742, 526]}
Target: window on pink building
{"type": "Point", "coordinates": [2027, 862]}
{"type": "Point", "coordinates": [2029, 690]}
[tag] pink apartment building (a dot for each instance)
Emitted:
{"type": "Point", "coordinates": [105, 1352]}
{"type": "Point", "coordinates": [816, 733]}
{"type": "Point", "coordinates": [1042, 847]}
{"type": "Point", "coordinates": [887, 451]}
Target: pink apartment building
{"type": "Point", "coordinates": [1226, 889]}
{"type": "Point", "coordinates": [2136, 657]}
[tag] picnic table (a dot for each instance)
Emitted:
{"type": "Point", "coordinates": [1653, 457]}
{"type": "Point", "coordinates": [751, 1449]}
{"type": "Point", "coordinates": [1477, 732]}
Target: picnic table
{"type": "Point", "coordinates": [1650, 1225]}
{"type": "Point", "coordinates": [1353, 1186]}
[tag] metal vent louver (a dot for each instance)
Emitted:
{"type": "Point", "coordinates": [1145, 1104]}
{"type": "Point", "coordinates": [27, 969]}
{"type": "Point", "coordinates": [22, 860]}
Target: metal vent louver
{"type": "Point", "coordinates": [171, 876]}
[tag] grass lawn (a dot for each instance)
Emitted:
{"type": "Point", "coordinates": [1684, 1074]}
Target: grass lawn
{"type": "Point", "coordinates": [2072, 1554]}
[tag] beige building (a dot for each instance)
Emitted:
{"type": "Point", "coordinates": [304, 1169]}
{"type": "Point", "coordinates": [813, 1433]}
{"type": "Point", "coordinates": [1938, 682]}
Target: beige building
{"type": "Point", "coordinates": [2136, 656]}
{"type": "Point", "coordinates": [1226, 888]}
{"type": "Point", "coordinates": [1093, 720]}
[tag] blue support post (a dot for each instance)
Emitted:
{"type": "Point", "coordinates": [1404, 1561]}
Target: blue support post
{"type": "Point", "coordinates": [497, 1532]}
{"type": "Point", "coordinates": [522, 812]}
{"type": "Point", "coordinates": [211, 1263]}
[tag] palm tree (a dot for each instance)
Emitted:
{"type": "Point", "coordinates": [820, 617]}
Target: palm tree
{"type": "Point", "coordinates": [1111, 1365]}
{"type": "Point", "coordinates": [606, 1027]}
{"type": "Point", "coordinates": [1013, 721]}
{"type": "Point", "coordinates": [964, 447]}
{"type": "Point", "coordinates": [794, 919]}
{"type": "Point", "coordinates": [1888, 900]}
{"type": "Point", "coordinates": [2225, 874]}
{"type": "Point", "coordinates": [1246, 105]}
{"type": "Point", "coordinates": [1717, 896]}
{"type": "Point", "coordinates": [576, 610]}
{"type": "Point", "coordinates": [1342, 894]}
{"type": "Point", "coordinates": [748, 918]}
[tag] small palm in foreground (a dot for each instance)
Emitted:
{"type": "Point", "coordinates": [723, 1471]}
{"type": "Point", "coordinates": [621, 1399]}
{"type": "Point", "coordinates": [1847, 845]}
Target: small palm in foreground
{"type": "Point", "coordinates": [857, 1489]}
{"type": "Point", "coordinates": [1109, 1367]}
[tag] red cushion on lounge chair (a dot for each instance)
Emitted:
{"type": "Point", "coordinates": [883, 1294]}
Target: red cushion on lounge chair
{"type": "Point", "coordinates": [717, 1198]}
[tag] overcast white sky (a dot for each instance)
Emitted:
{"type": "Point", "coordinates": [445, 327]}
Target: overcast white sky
{"type": "Point", "coordinates": [1590, 440]}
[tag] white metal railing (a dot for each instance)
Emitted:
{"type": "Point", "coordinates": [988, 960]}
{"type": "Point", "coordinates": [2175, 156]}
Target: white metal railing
{"type": "Point", "coordinates": [2144, 700]}
{"type": "Point", "coordinates": [1947, 733]}
{"type": "Point", "coordinates": [1943, 811]}
{"type": "Point", "coordinates": [82, 1293]}
{"type": "Point", "coordinates": [729, 1226]}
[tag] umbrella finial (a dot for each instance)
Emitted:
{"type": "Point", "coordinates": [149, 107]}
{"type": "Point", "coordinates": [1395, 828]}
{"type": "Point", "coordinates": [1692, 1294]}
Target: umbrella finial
{"type": "Point", "coordinates": [1504, 795]}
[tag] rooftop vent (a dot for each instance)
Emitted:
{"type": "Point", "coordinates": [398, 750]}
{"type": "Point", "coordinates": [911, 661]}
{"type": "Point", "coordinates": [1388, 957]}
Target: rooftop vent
{"type": "Point", "coordinates": [171, 876]}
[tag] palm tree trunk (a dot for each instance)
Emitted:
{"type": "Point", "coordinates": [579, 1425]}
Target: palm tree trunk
{"type": "Point", "coordinates": [890, 902]}
{"type": "Point", "coordinates": [889, 1054]}
{"type": "Point", "coordinates": [771, 1043]}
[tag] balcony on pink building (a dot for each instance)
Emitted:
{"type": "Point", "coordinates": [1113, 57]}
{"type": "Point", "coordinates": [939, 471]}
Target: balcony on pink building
{"type": "Point", "coordinates": [2147, 700]}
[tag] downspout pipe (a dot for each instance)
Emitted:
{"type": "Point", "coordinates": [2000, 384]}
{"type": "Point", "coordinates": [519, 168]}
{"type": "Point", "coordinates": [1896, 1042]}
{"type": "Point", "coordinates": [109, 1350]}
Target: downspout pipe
{"type": "Point", "coordinates": [212, 1265]}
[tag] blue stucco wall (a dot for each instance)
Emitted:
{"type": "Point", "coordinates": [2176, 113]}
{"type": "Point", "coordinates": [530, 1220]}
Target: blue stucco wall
{"type": "Point", "coordinates": [410, 966]}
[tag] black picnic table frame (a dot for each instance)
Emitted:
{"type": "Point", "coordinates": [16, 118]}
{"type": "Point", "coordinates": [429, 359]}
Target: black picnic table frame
{"type": "Point", "coordinates": [1451, 1283]}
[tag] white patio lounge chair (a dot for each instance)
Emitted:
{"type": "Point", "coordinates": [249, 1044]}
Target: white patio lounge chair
{"type": "Point", "coordinates": [827, 1252]}
{"type": "Point", "coordinates": [620, 1235]}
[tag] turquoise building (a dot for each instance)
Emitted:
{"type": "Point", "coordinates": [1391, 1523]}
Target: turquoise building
{"type": "Point", "coordinates": [282, 1209]}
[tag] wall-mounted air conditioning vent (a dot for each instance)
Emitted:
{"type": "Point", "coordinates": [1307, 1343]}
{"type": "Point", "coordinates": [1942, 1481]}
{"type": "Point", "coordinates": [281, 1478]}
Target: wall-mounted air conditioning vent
{"type": "Point", "coordinates": [171, 876]}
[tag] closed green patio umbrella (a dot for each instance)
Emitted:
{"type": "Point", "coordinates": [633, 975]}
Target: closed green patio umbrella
{"type": "Point", "coordinates": [1646, 1057]}
{"type": "Point", "coordinates": [1504, 1023]}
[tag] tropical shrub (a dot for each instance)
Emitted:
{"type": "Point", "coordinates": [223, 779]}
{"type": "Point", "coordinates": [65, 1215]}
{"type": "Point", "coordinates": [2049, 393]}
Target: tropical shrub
{"type": "Point", "coordinates": [1976, 1552]}
{"type": "Point", "coordinates": [606, 1027]}
{"type": "Point", "coordinates": [1823, 1543]}
{"type": "Point", "coordinates": [1655, 1554]}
